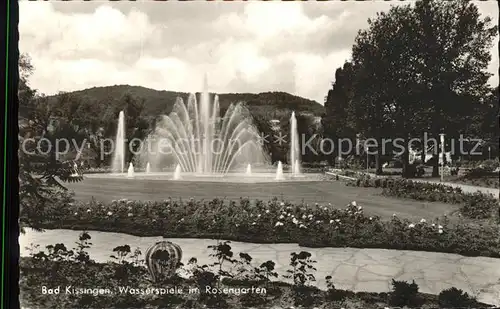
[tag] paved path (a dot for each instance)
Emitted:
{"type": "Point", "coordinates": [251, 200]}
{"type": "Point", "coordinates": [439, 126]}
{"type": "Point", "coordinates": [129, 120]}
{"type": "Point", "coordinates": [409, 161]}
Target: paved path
{"type": "Point", "coordinates": [356, 269]}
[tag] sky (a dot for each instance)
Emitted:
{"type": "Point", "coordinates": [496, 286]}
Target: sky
{"type": "Point", "coordinates": [241, 46]}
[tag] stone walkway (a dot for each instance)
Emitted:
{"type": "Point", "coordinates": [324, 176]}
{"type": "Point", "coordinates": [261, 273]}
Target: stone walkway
{"type": "Point", "coordinates": [355, 269]}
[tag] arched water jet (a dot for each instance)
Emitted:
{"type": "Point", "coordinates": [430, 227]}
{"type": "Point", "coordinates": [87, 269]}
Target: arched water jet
{"type": "Point", "coordinates": [202, 142]}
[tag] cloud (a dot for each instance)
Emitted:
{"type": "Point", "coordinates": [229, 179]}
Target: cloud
{"type": "Point", "coordinates": [242, 46]}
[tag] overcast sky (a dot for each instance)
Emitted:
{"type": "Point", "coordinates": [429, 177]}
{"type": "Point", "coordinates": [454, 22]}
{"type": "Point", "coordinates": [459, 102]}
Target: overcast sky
{"type": "Point", "coordinates": [241, 46]}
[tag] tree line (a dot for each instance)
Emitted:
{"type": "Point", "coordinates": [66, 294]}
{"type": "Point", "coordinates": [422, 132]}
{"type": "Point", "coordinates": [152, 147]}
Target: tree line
{"type": "Point", "coordinates": [417, 68]}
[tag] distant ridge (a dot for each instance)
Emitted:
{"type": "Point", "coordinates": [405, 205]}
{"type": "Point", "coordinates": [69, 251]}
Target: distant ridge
{"type": "Point", "coordinates": [161, 101]}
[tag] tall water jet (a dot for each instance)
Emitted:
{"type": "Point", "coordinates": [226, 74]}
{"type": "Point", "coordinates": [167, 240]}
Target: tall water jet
{"type": "Point", "coordinates": [202, 142]}
{"type": "Point", "coordinates": [177, 172]}
{"type": "Point", "coordinates": [118, 164]}
{"type": "Point", "coordinates": [249, 170]}
{"type": "Point", "coordinates": [130, 172]}
{"type": "Point", "coordinates": [148, 168]}
{"type": "Point", "coordinates": [294, 146]}
{"type": "Point", "coordinates": [279, 171]}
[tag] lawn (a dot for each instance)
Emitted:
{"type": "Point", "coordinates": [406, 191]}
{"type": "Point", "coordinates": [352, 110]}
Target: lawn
{"type": "Point", "coordinates": [324, 192]}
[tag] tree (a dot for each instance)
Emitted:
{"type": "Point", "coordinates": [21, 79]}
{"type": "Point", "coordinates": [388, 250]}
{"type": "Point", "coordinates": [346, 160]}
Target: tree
{"type": "Point", "coordinates": [455, 57]}
{"type": "Point", "coordinates": [339, 119]}
{"type": "Point", "coordinates": [41, 174]}
{"type": "Point", "coordinates": [422, 68]}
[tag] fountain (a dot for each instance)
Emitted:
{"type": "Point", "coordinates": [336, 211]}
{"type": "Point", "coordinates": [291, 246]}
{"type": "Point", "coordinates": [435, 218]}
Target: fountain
{"type": "Point", "coordinates": [130, 172]}
{"type": "Point", "coordinates": [118, 164]}
{"type": "Point", "coordinates": [294, 146]}
{"type": "Point", "coordinates": [279, 171]}
{"type": "Point", "coordinates": [177, 172]}
{"type": "Point", "coordinates": [202, 142]}
{"type": "Point", "coordinates": [296, 168]}
{"type": "Point", "coordinates": [206, 142]}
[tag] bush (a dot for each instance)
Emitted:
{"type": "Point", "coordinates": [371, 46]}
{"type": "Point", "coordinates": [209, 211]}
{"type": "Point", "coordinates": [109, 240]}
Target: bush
{"type": "Point", "coordinates": [455, 298]}
{"type": "Point", "coordinates": [404, 294]}
{"type": "Point", "coordinates": [275, 222]}
{"type": "Point", "coordinates": [58, 268]}
{"type": "Point", "coordinates": [474, 205]}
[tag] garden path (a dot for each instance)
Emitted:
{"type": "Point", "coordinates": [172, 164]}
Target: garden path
{"type": "Point", "coordinates": [368, 270]}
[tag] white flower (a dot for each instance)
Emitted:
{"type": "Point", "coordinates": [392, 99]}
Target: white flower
{"type": "Point", "coordinates": [394, 215]}
{"type": "Point", "coordinates": [304, 216]}
{"type": "Point", "coordinates": [359, 207]}
{"type": "Point", "coordinates": [316, 204]}
{"type": "Point", "coordinates": [371, 218]}
{"type": "Point", "coordinates": [76, 214]}
{"type": "Point", "coordinates": [288, 215]}
{"type": "Point", "coordinates": [182, 219]}
{"type": "Point", "coordinates": [281, 217]}
{"type": "Point", "coordinates": [310, 216]}
{"type": "Point", "coordinates": [302, 226]}
{"type": "Point", "coordinates": [258, 216]}
{"type": "Point", "coordinates": [267, 211]}
{"type": "Point", "coordinates": [282, 204]}
{"type": "Point", "coordinates": [411, 225]}
{"type": "Point", "coordinates": [251, 215]}
{"type": "Point", "coordinates": [278, 224]}
{"type": "Point", "coordinates": [130, 214]}
{"type": "Point", "coordinates": [88, 210]}
{"type": "Point", "coordinates": [113, 201]}
{"type": "Point", "coordinates": [295, 221]}
{"type": "Point", "coordinates": [325, 208]}
{"type": "Point", "coordinates": [329, 204]}
{"type": "Point", "coordinates": [440, 227]}
{"type": "Point", "coordinates": [440, 231]}
{"type": "Point", "coordinates": [318, 221]}
{"type": "Point", "coordinates": [353, 203]}
{"type": "Point", "coordinates": [337, 220]}
{"type": "Point", "coordinates": [433, 225]}
{"type": "Point", "coordinates": [109, 213]}
{"type": "Point", "coordinates": [254, 223]}
{"type": "Point", "coordinates": [130, 208]}
{"type": "Point", "coordinates": [423, 220]}
{"type": "Point", "coordinates": [331, 221]}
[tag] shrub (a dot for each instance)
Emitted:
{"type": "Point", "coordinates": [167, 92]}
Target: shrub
{"type": "Point", "coordinates": [455, 298]}
{"type": "Point", "coordinates": [474, 205]}
{"type": "Point", "coordinates": [275, 221]}
{"type": "Point", "coordinates": [404, 294]}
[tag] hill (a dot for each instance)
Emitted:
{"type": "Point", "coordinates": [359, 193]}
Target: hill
{"type": "Point", "coordinates": [161, 102]}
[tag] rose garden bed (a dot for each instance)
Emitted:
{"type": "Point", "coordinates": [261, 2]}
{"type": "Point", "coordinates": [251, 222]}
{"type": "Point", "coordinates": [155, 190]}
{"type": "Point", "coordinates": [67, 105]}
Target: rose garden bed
{"type": "Point", "coordinates": [271, 222]}
{"type": "Point", "coordinates": [124, 283]}
{"type": "Point", "coordinates": [473, 205]}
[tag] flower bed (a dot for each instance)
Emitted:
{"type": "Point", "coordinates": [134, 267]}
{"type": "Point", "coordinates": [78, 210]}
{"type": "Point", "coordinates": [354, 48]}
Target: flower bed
{"type": "Point", "coordinates": [274, 222]}
{"type": "Point", "coordinates": [125, 283]}
{"type": "Point", "coordinates": [474, 205]}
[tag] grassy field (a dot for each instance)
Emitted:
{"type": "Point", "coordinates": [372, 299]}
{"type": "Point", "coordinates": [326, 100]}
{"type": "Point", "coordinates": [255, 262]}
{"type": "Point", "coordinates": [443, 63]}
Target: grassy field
{"type": "Point", "coordinates": [336, 193]}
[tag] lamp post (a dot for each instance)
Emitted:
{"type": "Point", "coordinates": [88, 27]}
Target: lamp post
{"type": "Point", "coordinates": [442, 156]}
